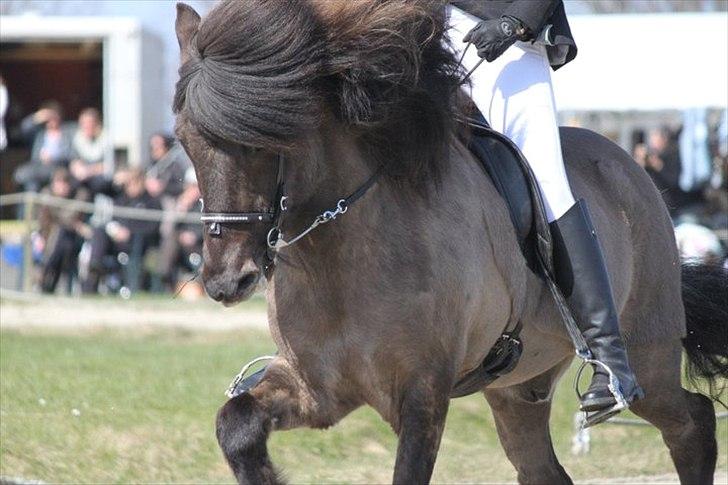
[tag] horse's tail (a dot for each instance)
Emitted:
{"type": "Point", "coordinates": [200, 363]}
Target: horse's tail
{"type": "Point", "coordinates": [705, 294]}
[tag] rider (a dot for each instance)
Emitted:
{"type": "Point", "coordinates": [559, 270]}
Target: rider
{"type": "Point", "coordinates": [522, 39]}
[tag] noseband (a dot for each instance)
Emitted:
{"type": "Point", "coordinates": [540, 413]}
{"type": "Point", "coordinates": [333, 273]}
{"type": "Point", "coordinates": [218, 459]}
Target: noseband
{"type": "Point", "coordinates": [275, 239]}
{"type": "Point", "coordinates": [214, 220]}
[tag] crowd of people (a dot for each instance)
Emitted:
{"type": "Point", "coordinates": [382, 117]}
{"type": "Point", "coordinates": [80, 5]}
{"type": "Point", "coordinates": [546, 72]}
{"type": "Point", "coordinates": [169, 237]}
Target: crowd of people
{"type": "Point", "coordinates": [693, 184]}
{"type": "Point", "coordinates": [121, 254]}
{"type": "Point", "coordinates": [73, 160]}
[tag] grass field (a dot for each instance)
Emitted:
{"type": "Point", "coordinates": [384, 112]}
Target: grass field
{"type": "Point", "coordinates": [128, 406]}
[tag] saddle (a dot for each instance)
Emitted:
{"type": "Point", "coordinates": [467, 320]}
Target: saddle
{"type": "Point", "coordinates": [512, 177]}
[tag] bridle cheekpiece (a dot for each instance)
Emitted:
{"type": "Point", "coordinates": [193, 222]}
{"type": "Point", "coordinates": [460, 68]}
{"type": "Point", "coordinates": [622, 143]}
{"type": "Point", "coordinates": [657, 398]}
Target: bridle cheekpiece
{"type": "Point", "coordinates": [275, 239]}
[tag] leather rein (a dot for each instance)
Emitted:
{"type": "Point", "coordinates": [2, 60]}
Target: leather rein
{"type": "Point", "coordinates": [275, 239]}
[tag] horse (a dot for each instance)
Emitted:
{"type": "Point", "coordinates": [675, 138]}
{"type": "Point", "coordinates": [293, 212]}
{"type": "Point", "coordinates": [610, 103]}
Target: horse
{"type": "Point", "coordinates": [388, 298]}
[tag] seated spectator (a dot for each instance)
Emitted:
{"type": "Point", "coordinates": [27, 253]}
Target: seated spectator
{"type": "Point", "coordinates": [51, 147]}
{"type": "Point", "coordinates": [182, 247]}
{"type": "Point", "coordinates": [89, 147]}
{"type": "Point", "coordinates": [126, 239]}
{"type": "Point", "coordinates": [166, 170]}
{"type": "Point", "coordinates": [62, 231]}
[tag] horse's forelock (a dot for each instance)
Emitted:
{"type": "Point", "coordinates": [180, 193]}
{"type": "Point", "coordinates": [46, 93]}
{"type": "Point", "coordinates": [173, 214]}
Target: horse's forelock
{"type": "Point", "coordinates": [263, 69]}
{"type": "Point", "coordinates": [252, 75]}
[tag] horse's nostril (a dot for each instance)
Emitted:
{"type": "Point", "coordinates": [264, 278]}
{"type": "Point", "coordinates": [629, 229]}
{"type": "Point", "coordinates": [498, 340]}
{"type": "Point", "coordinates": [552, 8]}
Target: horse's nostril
{"type": "Point", "coordinates": [247, 280]}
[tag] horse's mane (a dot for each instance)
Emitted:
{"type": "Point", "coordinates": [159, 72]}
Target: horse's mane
{"type": "Point", "coordinates": [262, 71]}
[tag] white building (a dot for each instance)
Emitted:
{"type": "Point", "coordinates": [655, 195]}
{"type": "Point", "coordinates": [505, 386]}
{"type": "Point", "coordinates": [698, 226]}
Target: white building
{"type": "Point", "coordinates": [121, 56]}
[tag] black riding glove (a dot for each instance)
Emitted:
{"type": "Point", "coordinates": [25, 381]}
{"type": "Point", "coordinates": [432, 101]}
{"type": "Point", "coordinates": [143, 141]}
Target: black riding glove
{"type": "Point", "coordinates": [493, 37]}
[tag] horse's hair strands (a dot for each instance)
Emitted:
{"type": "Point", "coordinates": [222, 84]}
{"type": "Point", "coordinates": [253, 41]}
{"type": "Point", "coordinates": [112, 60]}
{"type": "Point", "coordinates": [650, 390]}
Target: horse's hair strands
{"type": "Point", "coordinates": [263, 72]}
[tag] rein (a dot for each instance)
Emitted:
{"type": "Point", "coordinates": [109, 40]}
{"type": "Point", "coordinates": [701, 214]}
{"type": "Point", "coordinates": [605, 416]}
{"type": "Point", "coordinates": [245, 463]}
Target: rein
{"type": "Point", "coordinates": [275, 239]}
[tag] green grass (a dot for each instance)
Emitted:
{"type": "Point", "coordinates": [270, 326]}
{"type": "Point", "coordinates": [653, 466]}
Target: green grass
{"type": "Point", "coordinates": [147, 406]}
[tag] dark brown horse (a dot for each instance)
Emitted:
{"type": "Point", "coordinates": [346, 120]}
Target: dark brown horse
{"type": "Point", "coordinates": [393, 301]}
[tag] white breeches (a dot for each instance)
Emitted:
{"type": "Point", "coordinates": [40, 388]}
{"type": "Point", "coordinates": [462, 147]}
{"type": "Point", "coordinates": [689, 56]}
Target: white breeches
{"type": "Point", "coordinates": [515, 95]}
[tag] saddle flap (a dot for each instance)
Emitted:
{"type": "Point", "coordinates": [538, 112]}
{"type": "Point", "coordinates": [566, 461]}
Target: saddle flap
{"type": "Point", "coordinates": [511, 176]}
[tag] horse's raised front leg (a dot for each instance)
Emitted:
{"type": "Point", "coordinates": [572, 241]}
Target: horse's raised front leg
{"type": "Point", "coordinates": [421, 422]}
{"type": "Point", "coordinates": [278, 401]}
{"type": "Point", "coordinates": [521, 415]}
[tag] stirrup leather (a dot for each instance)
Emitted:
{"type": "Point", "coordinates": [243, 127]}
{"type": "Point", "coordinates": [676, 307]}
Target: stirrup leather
{"type": "Point", "coordinates": [596, 417]}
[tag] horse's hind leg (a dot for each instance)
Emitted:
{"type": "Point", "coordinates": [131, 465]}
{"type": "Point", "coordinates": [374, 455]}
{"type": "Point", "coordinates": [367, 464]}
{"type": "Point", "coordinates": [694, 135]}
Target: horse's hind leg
{"type": "Point", "coordinates": [521, 415]}
{"type": "Point", "coordinates": [685, 419]}
{"type": "Point", "coordinates": [278, 401]}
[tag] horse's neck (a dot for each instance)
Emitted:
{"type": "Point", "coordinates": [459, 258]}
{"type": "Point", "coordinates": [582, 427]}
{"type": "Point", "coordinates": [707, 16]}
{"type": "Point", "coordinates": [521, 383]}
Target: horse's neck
{"type": "Point", "coordinates": [328, 169]}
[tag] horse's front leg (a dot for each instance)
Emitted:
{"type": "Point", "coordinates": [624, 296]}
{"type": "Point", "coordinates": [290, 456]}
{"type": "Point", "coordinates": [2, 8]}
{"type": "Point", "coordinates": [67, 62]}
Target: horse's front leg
{"type": "Point", "coordinates": [278, 401]}
{"type": "Point", "coordinates": [421, 422]}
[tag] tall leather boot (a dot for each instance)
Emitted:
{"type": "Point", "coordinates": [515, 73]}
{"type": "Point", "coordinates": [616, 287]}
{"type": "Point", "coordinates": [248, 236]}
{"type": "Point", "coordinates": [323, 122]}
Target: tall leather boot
{"type": "Point", "coordinates": [582, 276]}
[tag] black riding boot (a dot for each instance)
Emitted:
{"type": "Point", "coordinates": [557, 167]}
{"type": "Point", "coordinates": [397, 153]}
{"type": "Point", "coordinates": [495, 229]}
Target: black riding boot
{"type": "Point", "coordinates": [582, 276]}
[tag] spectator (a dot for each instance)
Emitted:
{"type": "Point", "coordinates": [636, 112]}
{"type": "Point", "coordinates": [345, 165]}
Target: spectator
{"type": "Point", "coordinates": [89, 149]}
{"type": "Point", "coordinates": [182, 247]}
{"type": "Point", "coordinates": [51, 147]}
{"type": "Point", "coordinates": [659, 155]}
{"type": "Point", "coordinates": [124, 238]}
{"type": "Point", "coordinates": [61, 232]}
{"type": "Point", "coordinates": [166, 172]}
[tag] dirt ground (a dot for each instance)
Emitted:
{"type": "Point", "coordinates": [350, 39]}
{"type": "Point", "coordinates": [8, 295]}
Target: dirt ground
{"type": "Point", "coordinates": [80, 313]}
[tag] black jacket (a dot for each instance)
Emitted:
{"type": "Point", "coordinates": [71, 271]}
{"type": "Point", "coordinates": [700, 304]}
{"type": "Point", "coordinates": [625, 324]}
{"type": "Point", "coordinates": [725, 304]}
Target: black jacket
{"type": "Point", "coordinates": [136, 226]}
{"type": "Point", "coordinates": [536, 15]}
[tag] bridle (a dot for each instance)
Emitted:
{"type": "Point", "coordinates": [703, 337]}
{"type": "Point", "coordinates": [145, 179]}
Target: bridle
{"type": "Point", "coordinates": [214, 220]}
{"type": "Point", "coordinates": [275, 239]}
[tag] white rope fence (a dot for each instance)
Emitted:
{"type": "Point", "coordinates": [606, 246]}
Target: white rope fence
{"type": "Point", "coordinates": [95, 207]}
{"type": "Point", "coordinates": [102, 210]}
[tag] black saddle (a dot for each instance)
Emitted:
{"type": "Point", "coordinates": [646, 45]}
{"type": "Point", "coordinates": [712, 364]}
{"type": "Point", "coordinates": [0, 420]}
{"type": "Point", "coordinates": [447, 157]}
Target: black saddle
{"type": "Point", "coordinates": [513, 179]}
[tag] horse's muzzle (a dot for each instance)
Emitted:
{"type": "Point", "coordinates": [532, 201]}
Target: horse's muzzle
{"type": "Point", "coordinates": [231, 287]}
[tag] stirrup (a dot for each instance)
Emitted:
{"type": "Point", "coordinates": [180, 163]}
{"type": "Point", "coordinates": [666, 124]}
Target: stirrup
{"type": "Point", "coordinates": [240, 384]}
{"type": "Point", "coordinates": [596, 417]}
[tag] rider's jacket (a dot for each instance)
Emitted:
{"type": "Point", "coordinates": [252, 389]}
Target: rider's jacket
{"type": "Point", "coordinates": [545, 18]}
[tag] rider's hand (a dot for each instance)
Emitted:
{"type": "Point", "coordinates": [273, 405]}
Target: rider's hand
{"type": "Point", "coordinates": [493, 37]}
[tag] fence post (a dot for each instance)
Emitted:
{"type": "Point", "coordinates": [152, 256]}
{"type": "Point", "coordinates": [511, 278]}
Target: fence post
{"type": "Point", "coordinates": [28, 241]}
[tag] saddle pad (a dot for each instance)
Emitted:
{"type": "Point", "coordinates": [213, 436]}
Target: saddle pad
{"type": "Point", "coordinates": [512, 178]}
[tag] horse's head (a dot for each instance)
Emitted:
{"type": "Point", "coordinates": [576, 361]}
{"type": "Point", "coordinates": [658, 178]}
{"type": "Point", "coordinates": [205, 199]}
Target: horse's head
{"type": "Point", "coordinates": [234, 177]}
{"type": "Point", "coordinates": [260, 78]}
{"type": "Point", "coordinates": [234, 254]}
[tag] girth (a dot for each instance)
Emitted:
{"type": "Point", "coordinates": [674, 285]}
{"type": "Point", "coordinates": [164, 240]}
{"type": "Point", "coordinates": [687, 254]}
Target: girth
{"type": "Point", "coordinates": [513, 179]}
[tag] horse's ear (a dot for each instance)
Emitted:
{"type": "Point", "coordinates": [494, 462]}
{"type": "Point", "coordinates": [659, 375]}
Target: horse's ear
{"type": "Point", "coordinates": [186, 25]}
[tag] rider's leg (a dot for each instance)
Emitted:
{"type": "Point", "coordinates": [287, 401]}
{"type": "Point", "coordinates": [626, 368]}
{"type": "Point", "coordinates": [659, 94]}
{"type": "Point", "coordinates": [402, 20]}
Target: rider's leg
{"type": "Point", "coordinates": [515, 94]}
{"type": "Point", "coordinates": [582, 276]}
